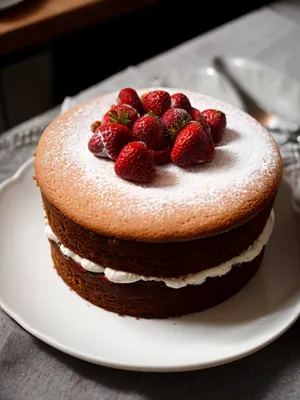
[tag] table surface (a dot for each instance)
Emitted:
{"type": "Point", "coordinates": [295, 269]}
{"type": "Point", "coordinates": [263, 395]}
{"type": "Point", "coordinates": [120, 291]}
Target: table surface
{"type": "Point", "coordinates": [32, 370]}
{"type": "Point", "coordinates": [34, 21]}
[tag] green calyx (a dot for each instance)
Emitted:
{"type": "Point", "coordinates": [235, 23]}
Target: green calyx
{"type": "Point", "coordinates": [176, 128]}
{"type": "Point", "coordinates": [120, 118]}
{"type": "Point", "coordinates": [151, 113]}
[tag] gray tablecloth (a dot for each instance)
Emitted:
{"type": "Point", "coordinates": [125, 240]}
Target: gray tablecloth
{"type": "Point", "coordinates": [31, 370]}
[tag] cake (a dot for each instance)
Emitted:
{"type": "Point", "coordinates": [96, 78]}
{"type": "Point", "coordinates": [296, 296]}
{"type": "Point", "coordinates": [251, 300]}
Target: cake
{"type": "Point", "coordinates": [182, 242]}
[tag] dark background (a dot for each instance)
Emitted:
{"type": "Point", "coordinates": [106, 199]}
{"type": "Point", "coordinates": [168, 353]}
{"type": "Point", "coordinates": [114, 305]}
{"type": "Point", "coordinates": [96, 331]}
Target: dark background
{"type": "Point", "coordinates": [104, 49]}
{"type": "Point", "coordinates": [82, 58]}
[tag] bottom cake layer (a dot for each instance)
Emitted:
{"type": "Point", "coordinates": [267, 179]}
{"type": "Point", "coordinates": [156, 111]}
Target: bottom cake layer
{"type": "Point", "coordinates": [152, 299]}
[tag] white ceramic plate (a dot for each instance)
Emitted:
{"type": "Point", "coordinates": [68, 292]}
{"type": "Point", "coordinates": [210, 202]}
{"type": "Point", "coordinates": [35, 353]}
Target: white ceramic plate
{"type": "Point", "coordinates": [32, 293]}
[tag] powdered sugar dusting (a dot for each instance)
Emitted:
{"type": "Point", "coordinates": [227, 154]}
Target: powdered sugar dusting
{"type": "Point", "coordinates": [243, 159]}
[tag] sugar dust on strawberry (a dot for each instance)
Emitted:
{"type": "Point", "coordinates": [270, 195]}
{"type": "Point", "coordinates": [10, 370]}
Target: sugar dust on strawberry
{"type": "Point", "coordinates": [180, 100]}
{"type": "Point", "coordinates": [156, 102]}
{"type": "Point", "coordinates": [154, 129]}
{"type": "Point", "coordinates": [135, 163]}
{"type": "Point", "coordinates": [192, 146]}
{"type": "Point", "coordinates": [149, 130]}
{"type": "Point", "coordinates": [108, 140]}
{"type": "Point", "coordinates": [174, 120]}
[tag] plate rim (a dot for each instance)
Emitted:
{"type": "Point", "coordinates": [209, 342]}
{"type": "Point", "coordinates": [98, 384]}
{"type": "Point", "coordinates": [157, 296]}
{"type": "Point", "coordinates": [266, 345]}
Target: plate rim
{"type": "Point", "coordinates": [17, 175]}
{"type": "Point", "coordinates": [136, 367]}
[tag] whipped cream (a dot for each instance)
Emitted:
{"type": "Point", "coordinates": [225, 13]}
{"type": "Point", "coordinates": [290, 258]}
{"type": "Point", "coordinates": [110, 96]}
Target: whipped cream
{"type": "Point", "coordinates": [86, 264]}
{"type": "Point", "coordinates": [116, 276]}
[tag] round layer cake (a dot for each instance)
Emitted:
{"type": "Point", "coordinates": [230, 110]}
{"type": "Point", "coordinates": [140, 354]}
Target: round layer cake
{"type": "Point", "coordinates": [185, 242]}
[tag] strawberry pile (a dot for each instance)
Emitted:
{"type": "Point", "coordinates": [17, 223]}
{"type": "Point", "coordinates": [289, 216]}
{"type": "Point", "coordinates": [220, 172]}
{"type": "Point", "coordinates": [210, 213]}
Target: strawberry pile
{"type": "Point", "coordinates": [141, 132]}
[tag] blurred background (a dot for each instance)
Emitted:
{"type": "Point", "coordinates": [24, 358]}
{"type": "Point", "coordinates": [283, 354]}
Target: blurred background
{"type": "Point", "coordinates": [51, 49]}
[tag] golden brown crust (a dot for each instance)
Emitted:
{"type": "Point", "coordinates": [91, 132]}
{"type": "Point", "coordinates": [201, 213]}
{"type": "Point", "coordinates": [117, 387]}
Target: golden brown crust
{"type": "Point", "coordinates": [174, 208]}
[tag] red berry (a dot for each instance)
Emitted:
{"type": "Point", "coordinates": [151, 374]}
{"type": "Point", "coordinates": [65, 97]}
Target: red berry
{"type": "Point", "coordinates": [192, 146]}
{"type": "Point", "coordinates": [217, 121]}
{"type": "Point", "coordinates": [174, 120]}
{"type": "Point", "coordinates": [95, 144]}
{"type": "Point", "coordinates": [122, 114]}
{"type": "Point", "coordinates": [156, 102]}
{"type": "Point", "coordinates": [196, 114]}
{"type": "Point", "coordinates": [108, 140]}
{"type": "Point", "coordinates": [180, 100]}
{"type": "Point", "coordinates": [129, 96]}
{"type": "Point", "coordinates": [161, 157]}
{"type": "Point", "coordinates": [199, 117]}
{"type": "Point", "coordinates": [135, 163]}
{"type": "Point", "coordinates": [149, 130]}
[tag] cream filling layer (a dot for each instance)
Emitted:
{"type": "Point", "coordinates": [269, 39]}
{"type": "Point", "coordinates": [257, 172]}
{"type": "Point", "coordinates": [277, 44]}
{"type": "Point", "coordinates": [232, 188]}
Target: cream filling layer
{"type": "Point", "coordinates": [116, 276]}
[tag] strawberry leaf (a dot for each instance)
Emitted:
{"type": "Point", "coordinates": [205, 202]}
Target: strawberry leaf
{"type": "Point", "coordinates": [151, 113]}
{"type": "Point", "coordinates": [121, 117]}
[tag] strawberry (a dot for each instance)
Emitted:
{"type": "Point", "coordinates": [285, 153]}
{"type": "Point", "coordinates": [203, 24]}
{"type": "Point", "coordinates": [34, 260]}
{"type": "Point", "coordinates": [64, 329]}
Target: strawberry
{"type": "Point", "coordinates": [156, 102]}
{"type": "Point", "coordinates": [149, 130]}
{"type": "Point", "coordinates": [129, 96]}
{"type": "Point", "coordinates": [199, 117]}
{"type": "Point", "coordinates": [180, 100]}
{"type": "Point", "coordinates": [135, 163]}
{"type": "Point", "coordinates": [108, 140]}
{"type": "Point", "coordinates": [196, 114]}
{"type": "Point", "coordinates": [192, 146]}
{"type": "Point", "coordinates": [217, 121]}
{"type": "Point", "coordinates": [161, 157]}
{"type": "Point", "coordinates": [174, 120]}
{"type": "Point", "coordinates": [122, 114]}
